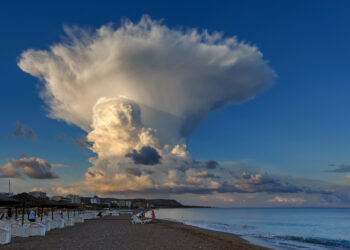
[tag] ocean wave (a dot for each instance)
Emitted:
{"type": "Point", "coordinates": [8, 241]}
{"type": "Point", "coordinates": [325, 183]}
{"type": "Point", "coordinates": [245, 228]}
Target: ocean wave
{"type": "Point", "coordinates": [334, 243]}
{"type": "Point", "coordinates": [266, 227]}
{"type": "Point", "coordinates": [290, 242]}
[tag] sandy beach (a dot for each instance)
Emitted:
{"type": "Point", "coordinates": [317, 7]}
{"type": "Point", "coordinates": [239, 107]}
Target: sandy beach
{"type": "Point", "coordinates": [119, 233]}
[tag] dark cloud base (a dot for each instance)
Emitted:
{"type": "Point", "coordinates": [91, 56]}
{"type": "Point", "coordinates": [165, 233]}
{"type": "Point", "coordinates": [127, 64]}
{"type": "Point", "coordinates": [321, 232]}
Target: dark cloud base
{"type": "Point", "coordinates": [146, 156]}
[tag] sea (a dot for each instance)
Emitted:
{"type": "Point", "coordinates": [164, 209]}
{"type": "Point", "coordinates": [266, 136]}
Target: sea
{"type": "Point", "coordinates": [277, 228]}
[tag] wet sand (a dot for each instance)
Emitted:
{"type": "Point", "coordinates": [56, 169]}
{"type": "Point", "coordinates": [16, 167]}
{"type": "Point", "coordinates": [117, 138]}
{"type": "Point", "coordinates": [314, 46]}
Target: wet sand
{"type": "Point", "coordinates": [119, 233]}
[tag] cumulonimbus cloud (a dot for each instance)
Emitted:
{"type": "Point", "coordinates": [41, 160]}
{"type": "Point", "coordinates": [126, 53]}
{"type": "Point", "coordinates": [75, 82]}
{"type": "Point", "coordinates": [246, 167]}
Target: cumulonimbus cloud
{"type": "Point", "coordinates": [170, 73]}
{"type": "Point", "coordinates": [34, 168]}
{"type": "Point", "coordinates": [139, 91]}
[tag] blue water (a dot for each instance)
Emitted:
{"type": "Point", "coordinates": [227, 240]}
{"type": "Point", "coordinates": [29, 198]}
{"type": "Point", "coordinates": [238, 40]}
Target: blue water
{"type": "Point", "coordinates": [278, 228]}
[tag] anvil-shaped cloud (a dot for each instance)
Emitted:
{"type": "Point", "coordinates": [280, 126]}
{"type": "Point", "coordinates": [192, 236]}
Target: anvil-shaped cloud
{"type": "Point", "coordinates": [139, 91]}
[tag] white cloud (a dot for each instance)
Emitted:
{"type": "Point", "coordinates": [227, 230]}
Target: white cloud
{"type": "Point", "coordinates": [142, 89]}
{"type": "Point", "coordinates": [34, 168]}
{"type": "Point", "coordinates": [279, 199]}
{"type": "Point", "coordinates": [181, 75]}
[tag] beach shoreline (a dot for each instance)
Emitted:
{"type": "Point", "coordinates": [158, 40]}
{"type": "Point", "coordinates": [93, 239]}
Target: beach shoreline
{"type": "Point", "coordinates": [118, 233]}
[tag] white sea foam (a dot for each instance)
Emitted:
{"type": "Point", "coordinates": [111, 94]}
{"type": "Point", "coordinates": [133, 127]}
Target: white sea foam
{"type": "Point", "coordinates": [277, 228]}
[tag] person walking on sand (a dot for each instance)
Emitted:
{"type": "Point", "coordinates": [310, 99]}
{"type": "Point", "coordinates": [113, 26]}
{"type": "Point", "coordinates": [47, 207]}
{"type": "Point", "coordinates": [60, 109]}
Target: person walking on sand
{"type": "Point", "coordinates": [32, 216]}
{"type": "Point", "coordinates": [9, 213]}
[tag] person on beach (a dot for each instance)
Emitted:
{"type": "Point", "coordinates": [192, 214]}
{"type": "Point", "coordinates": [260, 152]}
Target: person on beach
{"type": "Point", "coordinates": [9, 213]}
{"type": "Point", "coordinates": [32, 216]}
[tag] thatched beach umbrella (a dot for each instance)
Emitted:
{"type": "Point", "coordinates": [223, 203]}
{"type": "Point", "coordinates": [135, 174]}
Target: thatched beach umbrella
{"type": "Point", "coordinates": [63, 204]}
{"type": "Point", "coordinates": [27, 201]}
{"type": "Point", "coordinates": [7, 201]}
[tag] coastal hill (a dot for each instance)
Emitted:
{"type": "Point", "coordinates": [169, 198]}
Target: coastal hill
{"type": "Point", "coordinates": [137, 203]}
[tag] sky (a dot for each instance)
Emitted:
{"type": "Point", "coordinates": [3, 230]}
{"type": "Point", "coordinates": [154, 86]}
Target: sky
{"type": "Point", "coordinates": [227, 103]}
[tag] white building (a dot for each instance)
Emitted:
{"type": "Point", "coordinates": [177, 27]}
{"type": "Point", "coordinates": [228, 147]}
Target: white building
{"type": "Point", "coordinates": [7, 194]}
{"type": "Point", "coordinates": [74, 198]}
{"type": "Point", "coordinates": [122, 203]}
{"type": "Point", "coordinates": [38, 194]}
{"type": "Point", "coordinates": [95, 200]}
{"type": "Point", "coordinates": [56, 198]}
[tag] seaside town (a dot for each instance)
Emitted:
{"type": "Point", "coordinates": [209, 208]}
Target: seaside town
{"type": "Point", "coordinates": [34, 213]}
{"type": "Point", "coordinates": [103, 202]}
{"type": "Point", "coordinates": [35, 221]}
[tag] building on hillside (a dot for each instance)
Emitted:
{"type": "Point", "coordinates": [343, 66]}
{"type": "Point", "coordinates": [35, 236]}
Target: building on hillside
{"type": "Point", "coordinates": [138, 204]}
{"type": "Point", "coordinates": [85, 200]}
{"type": "Point", "coordinates": [74, 198]}
{"type": "Point", "coordinates": [95, 200]}
{"type": "Point", "coordinates": [65, 199]}
{"type": "Point", "coordinates": [38, 194]}
{"type": "Point", "coordinates": [8, 194]}
{"type": "Point", "coordinates": [61, 198]}
{"type": "Point", "coordinates": [56, 198]}
{"type": "Point", "coordinates": [122, 203]}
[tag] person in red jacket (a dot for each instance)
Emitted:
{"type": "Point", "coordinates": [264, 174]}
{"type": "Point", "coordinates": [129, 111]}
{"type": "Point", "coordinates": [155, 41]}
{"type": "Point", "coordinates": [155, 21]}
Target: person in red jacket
{"type": "Point", "coordinates": [153, 215]}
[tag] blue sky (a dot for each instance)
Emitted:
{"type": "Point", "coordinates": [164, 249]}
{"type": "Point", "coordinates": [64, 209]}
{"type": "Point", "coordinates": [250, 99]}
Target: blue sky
{"type": "Point", "coordinates": [297, 127]}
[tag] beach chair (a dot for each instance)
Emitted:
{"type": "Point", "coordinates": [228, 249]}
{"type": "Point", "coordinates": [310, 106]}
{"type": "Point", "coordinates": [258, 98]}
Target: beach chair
{"type": "Point", "coordinates": [90, 215]}
{"type": "Point", "coordinates": [137, 220]}
{"type": "Point", "coordinates": [115, 213]}
{"type": "Point", "coordinates": [58, 223]}
{"type": "Point", "coordinates": [20, 230]}
{"type": "Point", "coordinates": [48, 224]}
{"type": "Point", "coordinates": [79, 219]}
{"type": "Point", "coordinates": [69, 222]}
{"type": "Point", "coordinates": [37, 229]}
{"type": "Point", "coordinates": [53, 224]}
{"type": "Point", "coordinates": [5, 233]}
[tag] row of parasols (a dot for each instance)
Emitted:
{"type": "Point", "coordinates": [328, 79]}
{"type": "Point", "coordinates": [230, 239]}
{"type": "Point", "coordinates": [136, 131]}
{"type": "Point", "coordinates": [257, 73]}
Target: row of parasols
{"type": "Point", "coordinates": [24, 201]}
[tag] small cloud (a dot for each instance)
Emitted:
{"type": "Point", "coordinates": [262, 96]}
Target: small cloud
{"type": "Point", "coordinates": [205, 174]}
{"type": "Point", "coordinates": [279, 199]}
{"type": "Point", "coordinates": [81, 143]}
{"type": "Point", "coordinates": [91, 174]}
{"type": "Point", "coordinates": [343, 168]}
{"type": "Point", "coordinates": [59, 165]}
{"type": "Point", "coordinates": [19, 131]}
{"type": "Point", "coordinates": [133, 171]}
{"type": "Point", "coordinates": [148, 172]}
{"type": "Point", "coordinates": [217, 198]}
{"type": "Point", "coordinates": [23, 130]}
{"type": "Point", "coordinates": [146, 156]}
{"type": "Point", "coordinates": [9, 172]}
{"type": "Point", "coordinates": [211, 164]}
{"type": "Point", "coordinates": [36, 189]}
{"type": "Point", "coordinates": [34, 168]}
